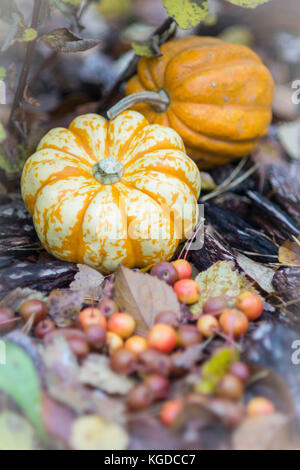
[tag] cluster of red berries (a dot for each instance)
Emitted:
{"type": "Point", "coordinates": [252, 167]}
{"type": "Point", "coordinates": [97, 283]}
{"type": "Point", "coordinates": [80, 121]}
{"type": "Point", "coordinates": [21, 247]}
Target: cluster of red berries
{"type": "Point", "coordinates": [219, 313]}
{"type": "Point", "coordinates": [105, 329]}
{"type": "Point", "coordinates": [178, 274]}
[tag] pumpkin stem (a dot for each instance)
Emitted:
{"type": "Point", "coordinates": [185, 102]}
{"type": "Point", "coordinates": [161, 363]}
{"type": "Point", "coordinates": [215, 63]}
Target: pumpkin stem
{"type": "Point", "coordinates": [159, 100]}
{"type": "Point", "coordinates": [108, 171]}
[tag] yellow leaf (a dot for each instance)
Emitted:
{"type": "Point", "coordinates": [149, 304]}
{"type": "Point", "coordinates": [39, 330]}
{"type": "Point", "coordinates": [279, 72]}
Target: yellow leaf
{"type": "Point", "coordinates": [187, 13]}
{"type": "Point", "coordinates": [207, 182]}
{"type": "Point", "coordinates": [248, 3]}
{"type": "Point", "coordinates": [143, 50]}
{"type": "Point", "coordinates": [94, 433]}
{"type": "Point", "coordinates": [16, 433]}
{"type": "Point", "coordinates": [289, 253]}
{"type": "Point", "coordinates": [215, 368]}
{"type": "Point", "coordinates": [220, 278]}
{"type": "Point", "coordinates": [29, 34]}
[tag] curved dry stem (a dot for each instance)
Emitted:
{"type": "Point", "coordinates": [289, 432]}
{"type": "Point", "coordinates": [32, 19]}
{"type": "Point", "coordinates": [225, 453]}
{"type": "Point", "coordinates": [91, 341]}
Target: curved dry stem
{"type": "Point", "coordinates": [159, 100]}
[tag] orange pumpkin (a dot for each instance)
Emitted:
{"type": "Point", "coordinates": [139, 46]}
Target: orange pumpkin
{"type": "Point", "coordinates": [104, 193]}
{"type": "Point", "coordinates": [216, 95]}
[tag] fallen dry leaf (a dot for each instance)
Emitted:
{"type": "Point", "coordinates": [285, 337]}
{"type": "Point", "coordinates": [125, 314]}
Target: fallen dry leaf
{"type": "Point", "coordinates": [289, 253]}
{"type": "Point", "coordinates": [57, 419]}
{"type": "Point", "coordinates": [96, 372]}
{"type": "Point", "coordinates": [63, 306]}
{"type": "Point", "coordinates": [16, 433]}
{"type": "Point", "coordinates": [82, 400]}
{"type": "Point", "coordinates": [19, 295]}
{"type": "Point", "coordinates": [143, 296]}
{"type": "Point", "coordinates": [94, 433]}
{"type": "Point", "coordinates": [207, 182]}
{"type": "Point", "coordinates": [261, 274]}
{"type": "Point", "coordinates": [63, 384]}
{"type": "Point", "coordinates": [261, 433]}
{"type": "Point", "coordinates": [59, 359]}
{"type": "Point", "coordinates": [220, 278]}
{"type": "Point", "coordinates": [87, 280]}
{"type": "Point", "coordinates": [64, 40]}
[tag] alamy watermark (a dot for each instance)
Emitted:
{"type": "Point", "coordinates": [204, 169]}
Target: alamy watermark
{"type": "Point", "coordinates": [296, 94]}
{"type": "Point", "coordinates": [295, 357]}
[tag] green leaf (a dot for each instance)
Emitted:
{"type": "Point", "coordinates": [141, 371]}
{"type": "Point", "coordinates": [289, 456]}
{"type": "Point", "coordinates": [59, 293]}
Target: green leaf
{"type": "Point", "coordinates": [187, 13]}
{"type": "Point", "coordinates": [149, 48]}
{"type": "Point", "coordinates": [2, 73]}
{"type": "Point", "coordinates": [214, 369]}
{"type": "Point", "coordinates": [3, 134]}
{"type": "Point", "coordinates": [29, 34]}
{"type": "Point", "coordinates": [16, 165]}
{"type": "Point", "coordinates": [19, 379]}
{"type": "Point", "coordinates": [248, 3]}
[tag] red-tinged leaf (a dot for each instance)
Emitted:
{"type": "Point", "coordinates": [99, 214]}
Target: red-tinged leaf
{"type": "Point", "coordinates": [63, 306]}
{"type": "Point", "coordinates": [57, 419]}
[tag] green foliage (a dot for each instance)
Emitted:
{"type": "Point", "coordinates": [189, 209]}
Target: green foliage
{"type": "Point", "coordinates": [19, 379]}
{"type": "Point", "coordinates": [29, 34]}
{"type": "Point", "coordinates": [3, 134]}
{"type": "Point", "coordinates": [143, 50]}
{"type": "Point", "coordinates": [248, 3]}
{"type": "Point", "coordinates": [215, 368]}
{"type": "Point", "coordinates": [2, 73]}
{"type": "Point", "coordinates": [16, 164]}
{"type": "Point", "coordinates": [187, 13]}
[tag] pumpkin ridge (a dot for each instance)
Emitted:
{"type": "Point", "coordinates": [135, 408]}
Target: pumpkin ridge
{"type": "Point", "coordinates": [144, 191]}
{"type": "Point", "coordinates": [144, 153]}
{"type": "Point", "coordinates": [169, 173]}
{"type": "Point", "coordinates": [134, 136]}
{"type": "Point", "coordinates": [84, 146]}
{"type": "Point", "coordinates": [130, 243]}
{"type": "Point", "coordinates": [227, 105]}
{"type": "Point", "coordinates": [49, 215]}
{"type": "Point", "coordinates": [50, 181]}
{"type": "Point", "coordinates": [81, 159]}
{"type": "Point", "coordinates": [145, 75]}
{"type": "Point", "coordinates": [80, 243]}
{"type": "Point", "coordinates": [217, 140]}
{"type": "Point", "coordinates": [215, 68]}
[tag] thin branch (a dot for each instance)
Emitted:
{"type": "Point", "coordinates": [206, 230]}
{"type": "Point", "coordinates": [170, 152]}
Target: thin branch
{"type": "Point", "coordinates": [130, 70]}
{"type": "Point", "coordinates": [233, 184]}
{"type": "Point", "coordinates": [26, 67]}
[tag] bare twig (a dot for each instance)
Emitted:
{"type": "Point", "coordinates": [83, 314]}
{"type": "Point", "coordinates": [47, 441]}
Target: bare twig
{"type": "Point", "coordinates": [230, 184]}
{"type": "Point", "coordinates": [130, 70]}
{"type": "Point", "coordinates": [25, 70]}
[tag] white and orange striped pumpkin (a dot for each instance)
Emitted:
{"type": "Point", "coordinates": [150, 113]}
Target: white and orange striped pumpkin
{"type": "Point", "coordinates": [104, 193]}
